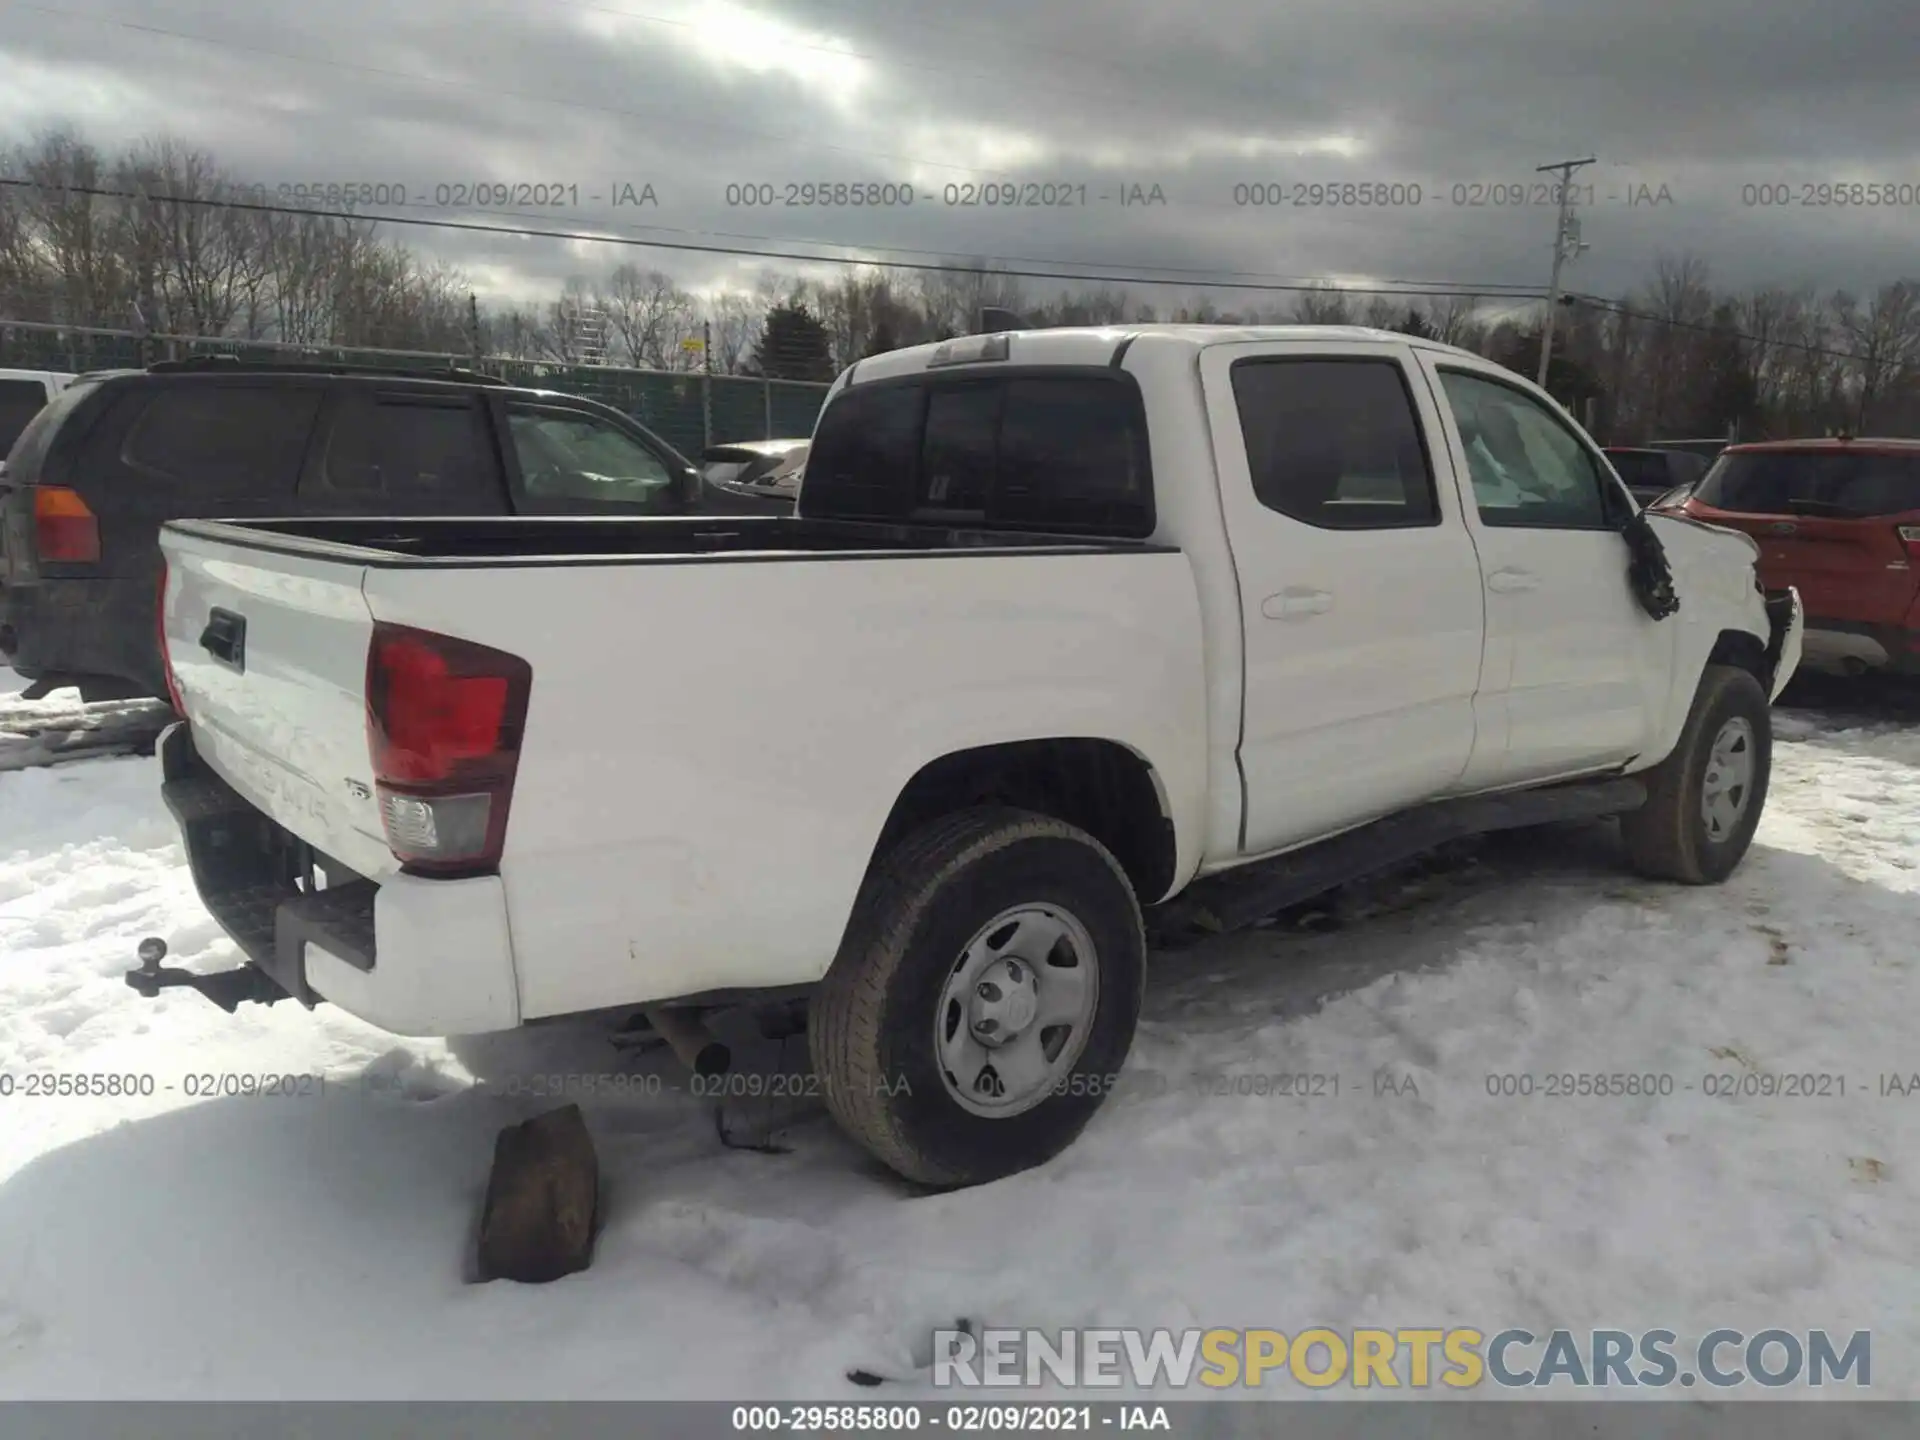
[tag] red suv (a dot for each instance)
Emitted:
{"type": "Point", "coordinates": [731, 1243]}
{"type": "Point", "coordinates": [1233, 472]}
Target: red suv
{"type": "Point", "coordinates": [1839, 519]}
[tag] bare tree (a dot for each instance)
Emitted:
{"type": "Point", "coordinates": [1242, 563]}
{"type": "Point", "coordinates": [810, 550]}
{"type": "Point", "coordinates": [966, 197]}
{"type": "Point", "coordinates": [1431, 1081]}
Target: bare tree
{"type": "Point", "coordinates": [649, 314]}
{"type": "Point", "coordinates": [1885, 335]}
{"type": "Point", "coordinates": [72, 231]}
{"type": "Point", "coordinates": [951, 300]}
{"type": "Point", "coordinates": [1323, 305]}
{"type": "Point", "coordinates": [193, 259]}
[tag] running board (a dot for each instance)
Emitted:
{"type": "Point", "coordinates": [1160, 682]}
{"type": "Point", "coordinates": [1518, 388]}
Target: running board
{"type": "Point", "coordinates": [1239, 897]}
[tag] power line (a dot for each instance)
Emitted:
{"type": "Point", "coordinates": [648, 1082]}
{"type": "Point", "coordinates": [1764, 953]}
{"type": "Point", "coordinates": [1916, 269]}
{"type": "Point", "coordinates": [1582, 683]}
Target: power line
{"type": "Point", "coordinates": [1493, 289]}
{"type": "Point", "coordinates": [1616, 308]}
{"type": "Point", "coordinates": [531, 232]}
{"type": "Point", "coordinates": [1310, 287]}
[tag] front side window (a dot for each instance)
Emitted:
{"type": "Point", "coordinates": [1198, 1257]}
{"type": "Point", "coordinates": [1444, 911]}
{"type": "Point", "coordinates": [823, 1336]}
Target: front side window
{"type": "Point", "coordinates": [1528, 469]}
{"type": "Point", "coordinates": [570, 458]}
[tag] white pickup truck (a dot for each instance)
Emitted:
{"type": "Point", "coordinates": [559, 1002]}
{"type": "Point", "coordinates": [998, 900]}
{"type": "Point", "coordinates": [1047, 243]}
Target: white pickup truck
{"type": "Point", "coordinates": [1070, 627]}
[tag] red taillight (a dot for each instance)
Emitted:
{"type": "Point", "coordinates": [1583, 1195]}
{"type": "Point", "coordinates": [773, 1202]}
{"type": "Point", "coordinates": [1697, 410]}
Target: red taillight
{"type": "Point", "coordinates": [166, 653]}
{"type": "Point", "coordinates": [1910, 537]}
{"type": "Point", "coordinates": [444, 719]}
{"type": "Point", "coordinates": [65, 531]}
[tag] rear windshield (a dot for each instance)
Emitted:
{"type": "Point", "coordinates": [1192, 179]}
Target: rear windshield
{"type": "Point", "coordinates": [1065, 453]}
{"type": "Point", "coordinates": [20, 401]}
{"type": "Point", "coordinates": [25, 451]}
{"type": "Point", "coordinates": [1786, 482]}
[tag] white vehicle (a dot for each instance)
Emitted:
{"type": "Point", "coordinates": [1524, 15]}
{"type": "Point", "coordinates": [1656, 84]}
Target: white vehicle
{"type": "Point", "coordinates": [1070, 626]}
{"type": "Point", "coordinates": [23, 394]}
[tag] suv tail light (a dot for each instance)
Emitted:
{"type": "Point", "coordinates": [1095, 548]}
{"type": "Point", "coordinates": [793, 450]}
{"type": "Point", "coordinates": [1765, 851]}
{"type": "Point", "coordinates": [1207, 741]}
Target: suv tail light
{"type": "Point", "coordinates": [166, 652]}
{"type": "Point", "coordinates": [1910, 537]}
{"type": "Point", "coordinates": [444, 720]}
{"type": "Point", "coordinates": [65, 530]}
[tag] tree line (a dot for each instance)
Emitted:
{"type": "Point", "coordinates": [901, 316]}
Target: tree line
{"type": "Point", "coordinates": [1677, 355]}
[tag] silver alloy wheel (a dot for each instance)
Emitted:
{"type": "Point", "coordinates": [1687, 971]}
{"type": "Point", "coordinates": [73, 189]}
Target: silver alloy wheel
{"type": "Point", "coordinates": [1729, 781]}
{"type": "Point", "coordinates": [1016, 1011]}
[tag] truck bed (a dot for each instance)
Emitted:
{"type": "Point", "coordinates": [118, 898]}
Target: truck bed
{"type": "Point", "coordinates": [403, 541]}
{"type": "Point", "coordinates": [712, 745]}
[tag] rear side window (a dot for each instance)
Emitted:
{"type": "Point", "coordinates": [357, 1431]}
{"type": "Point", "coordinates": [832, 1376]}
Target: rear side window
{"type": "Point", "coordinates": [1064, 453]}
{"type": "Point", "coordinates": [20, 401]}
{"type": "Point", "coordinates": [29, 448]}
{"type": "Point", "coordinates": [1785, 482]}
{"type": "Point", "coordinates": [224, 440]}
{"type": "Point", "coordinates": [1334, 442]}
{"type": "Point", "coordinates": [408, 451]}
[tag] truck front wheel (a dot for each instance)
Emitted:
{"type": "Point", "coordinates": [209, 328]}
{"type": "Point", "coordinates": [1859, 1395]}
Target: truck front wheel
{"type": "Point", "coordinates": [1704, 800]}
{"type": "Point", "coordinates": [984, 998]}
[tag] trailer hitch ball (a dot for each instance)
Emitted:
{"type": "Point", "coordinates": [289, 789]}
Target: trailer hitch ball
{"type": "Point", "coordinates": [151, 952]}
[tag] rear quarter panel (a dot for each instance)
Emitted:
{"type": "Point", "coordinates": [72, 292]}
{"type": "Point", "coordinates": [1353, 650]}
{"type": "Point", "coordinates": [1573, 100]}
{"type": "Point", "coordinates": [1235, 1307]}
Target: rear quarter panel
{"type": "Point", "coordinates": [712, 748]}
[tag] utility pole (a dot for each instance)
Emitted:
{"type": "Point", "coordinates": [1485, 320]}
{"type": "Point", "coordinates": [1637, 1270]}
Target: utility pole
{"type": "Point", "coordinates": [1566, 245]}
{"type": "Point", "coordinates": [706, 383]}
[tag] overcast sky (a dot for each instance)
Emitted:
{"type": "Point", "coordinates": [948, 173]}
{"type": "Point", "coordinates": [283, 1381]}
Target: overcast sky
{"type": "Point", "coordinates": [688, 96]}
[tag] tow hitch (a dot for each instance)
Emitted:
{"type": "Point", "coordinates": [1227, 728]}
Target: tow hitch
{"type": "Point", "coordinates": [229, 989]}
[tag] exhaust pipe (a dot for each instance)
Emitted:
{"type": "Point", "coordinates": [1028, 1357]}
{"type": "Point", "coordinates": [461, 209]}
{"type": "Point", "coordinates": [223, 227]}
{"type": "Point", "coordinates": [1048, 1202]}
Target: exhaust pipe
{"type": "Point", "coordinates": [689, 1039]}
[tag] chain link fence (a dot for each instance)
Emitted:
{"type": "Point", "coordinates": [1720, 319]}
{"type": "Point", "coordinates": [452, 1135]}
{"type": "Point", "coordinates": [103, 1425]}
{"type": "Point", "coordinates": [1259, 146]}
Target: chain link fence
{"type": "Point", "coordinates": [689, 409]}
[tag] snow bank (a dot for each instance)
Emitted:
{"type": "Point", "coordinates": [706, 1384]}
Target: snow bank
{"type": "Point", "coordinates": [314, 1246]}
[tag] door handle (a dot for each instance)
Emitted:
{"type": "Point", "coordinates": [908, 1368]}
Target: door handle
{"type": "Point", "coordinates": [225, 638]}
{"type": "Point", "coordinates": [1296, 604]}
{"type": "Point", "coordinates": [1506, 582]}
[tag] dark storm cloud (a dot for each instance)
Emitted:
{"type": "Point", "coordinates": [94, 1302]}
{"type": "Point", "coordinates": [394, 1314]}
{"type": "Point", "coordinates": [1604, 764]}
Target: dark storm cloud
{"type": "Point", "coordinates": [1701, 99]}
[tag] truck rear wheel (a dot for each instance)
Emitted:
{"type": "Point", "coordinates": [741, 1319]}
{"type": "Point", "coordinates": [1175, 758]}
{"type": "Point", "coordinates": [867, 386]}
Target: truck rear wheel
{"type": "Point", "coordinates": [1704, 800]}
{"type": "Point", "coordinates": [984, 997]}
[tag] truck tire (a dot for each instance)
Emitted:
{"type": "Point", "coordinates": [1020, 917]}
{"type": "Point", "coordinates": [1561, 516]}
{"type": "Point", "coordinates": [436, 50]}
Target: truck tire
{"type": "Point", "coordinates": [984, 997]}
{"type": "Point", "coordinates": [1704, 800]}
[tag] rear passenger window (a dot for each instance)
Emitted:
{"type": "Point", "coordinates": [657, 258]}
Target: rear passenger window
{"type": "Point", "coordinates": [409, 452]}
{"type": "Point", "coordinates": [223, 440]}
{"type": "Point", "coordinates": [1335, 443]}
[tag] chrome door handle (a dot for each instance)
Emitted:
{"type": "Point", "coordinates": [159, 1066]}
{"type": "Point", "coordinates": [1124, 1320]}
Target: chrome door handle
{"type": "Point", "coordinates": [1507, 582]}
{"type": "Point", "coordinates": [1296, 604]}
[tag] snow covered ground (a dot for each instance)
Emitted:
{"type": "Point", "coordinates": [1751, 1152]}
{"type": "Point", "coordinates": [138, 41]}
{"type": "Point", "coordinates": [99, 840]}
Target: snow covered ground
{"type": "Point", "coordinates": [315, 1246]}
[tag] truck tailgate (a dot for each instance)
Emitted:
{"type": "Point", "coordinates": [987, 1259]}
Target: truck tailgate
{"type": "Point", "coordinates": [269, 653]}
